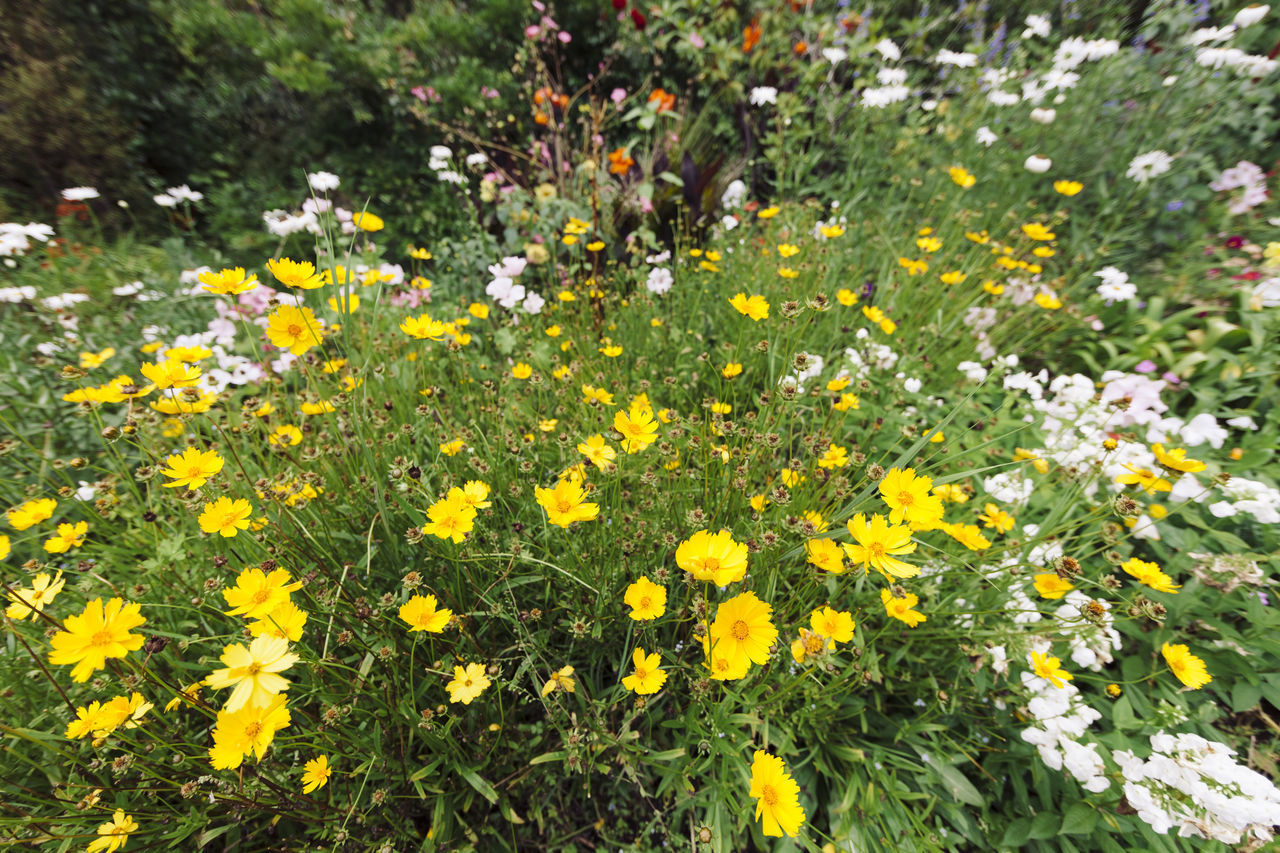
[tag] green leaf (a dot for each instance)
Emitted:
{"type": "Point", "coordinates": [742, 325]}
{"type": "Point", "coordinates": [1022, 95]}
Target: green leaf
{"type": "Point", "coordinates": [959, 786]}
{"type": "Point", "coordinates": [1079, 819]}
{"type": "Point", "coordinates": [1017, 833]}
{"type": "Point", "coordinates": [1245, 696]}
{"type": "Point", "coordinates": [1045, 825]}
{"type": "Point", "coordinates": [484, 788]}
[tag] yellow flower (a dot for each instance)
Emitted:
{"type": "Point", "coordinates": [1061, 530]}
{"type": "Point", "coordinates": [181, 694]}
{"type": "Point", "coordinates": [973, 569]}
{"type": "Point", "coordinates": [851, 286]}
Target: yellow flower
{"type": "Point", "coordinates": [248, 731]}
{"type": "Point", "coordinates": [226, 516]}
{"type": "Point", "coordinates": [846, 402]}
{"type": "Point", "coordinates": [1048, 301]}
{"type": "Point", "coordinates": [846, 297]}
{"type": "Point", "coordinates": [452, 448]}
{"type": "Point", "coordinates": [347, 304]}
{"type": "Point", "coordinates": [1037, 231]}
{"type": "Point", "coordinates": [831, 231]}
{"type": "Point", "coordinates": [468, 683]}
{"type": "Point", "coordinates": [323, 407]}
{"type": "Point", "coordinates": [424, 328]}
{"type": "Point", "coordinates": [596, 395]}
{"type": "Point", "coordinates": [951, 492]}
{"type": "Point", "coordinates": [291, 328]}
{"type": "Point", "coordinates": [1189, 669]}
{"type": "Point", "coordinates": [909, 499]}
{"type": "Point", "coordinates": [788, 272]}
{"type": "Point", "coordinates": [1176, 459]}
{"type": "Point", "coordinates": [731, 370]}
{"type": "Point", "coordinates": [1067, 188]}
{"type": "Point", "coordinates": [953, 277]}
{"type": "Point", "coordinates": [367, 222]}
{"type": "Point", "coordinates": [967, 535]}
{"type": "Point", "coordinates": [1050, 669]}
{"type": "Point", "coordinates": [90, 360]}
{"type": "Point", "coordinates": [478, 310]}
{"type": "Point", "coordinates": [919, 267]}
{"type": "Point", "coordinates": [521, 371]}
{"type": "Point", "coordinates": [646, 599]}
{"type": "Point", "coordinates": [300, 274]}
{"type": "Point", "coordinates": [777, 796]}
{"type": "Point", "coordinates": [257, 593]}
{"type": "Point", "coordinates": [228, 282]}
{"type": "Point", "coordinates": [96, 634]}
{"type": "Point", "coordinates": [995, 518]}
{"type": "Point", "coordinates": [69, 536]}
{"type": "Point", "coordinates": [833, 624]}
{"type": "Point", "coordinates": [422, 615]}
{"type": "Point", "coordinates": [113, 834]}
{"type": "Point", "coordinates": [768, 212]}
{"type": "Point", "coordinates": [566, 503]}
{"type": "Point", "coordinates": [901, 608]}
{"type": "Point", "coordinates": [31, 601]}
{"type": "Point", "coordinates": [192, 468]}
{"type": "Point", "coordinates": [638, 429]}
{"type": "Point", "coordinates": [928, 244]}
{"type": "Point", "coordinates": [562, 679]}
{"type": "Point", "coordinates": [598, 452]}
{"type": "Point", "coordinates": [742, 632]}
{"type": "Point", "coordinates": [171, 373]}
{"type": "Point", "coordinates": [611, 350]}
{"type": "Point", "coordinates": [253, 672]}
{"type": "Point", "coordinates": [826, 554]}
{"type": "Point", "coordinates": [878, 544]}
{"type": "Point", "coordinates": [962, 177]}
{"type": "Point", "coordinates": [595, 246]}
{"type": "Point", "coordinates": [1150, 574]}
{"type": "Point", "coordinates": [713, 557]}
{"type": "Point", "coordinates": [647, 675]}
{"type": "Point", "coordinates": [315, 773]}
{"type": "Point", "coordinates": [1149, 481]}
{"type": "Point", "coordinates": [754, 307]}
{"type": "Point", "coordinates": [285, 435]}
{"type": "Point", "coordinates": [835, 457]}
{"type": "Point", "coordinates": [286, 622]}
{"type": "Point", "coordinates": [1049, 585]}
{"type": "Point", "coordinates": [451, 517]}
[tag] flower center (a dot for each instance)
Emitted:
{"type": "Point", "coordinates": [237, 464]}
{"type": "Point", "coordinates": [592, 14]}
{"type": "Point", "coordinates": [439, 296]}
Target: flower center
{"type": "Point", "coordinates": [564, 505]}
{"type": "Point", "coordinates": [294, 329]}
{"type": "Point", "coordinates": [877, 550]}
{"type": "Point", "coordinates": [769, 795]}
{"type": "Point", "coordinates": [646, 603]}
{"type": "Point", "coordinates": [253, 729]}
{"type": "Point", "coordinates": [905, 498]}
{"type": "Point", "coordinates": [253, 669]}
{"type": "Point", "coordinates": [711, 564]}
{"type": "Point", "coordinates": [261, 596]}
{"type": "Point", "coordinates": [642, 674]}
{"type": "Point", "coordinates": [102, 638]}
{"type": "Point", "coordinates": [740, 630]}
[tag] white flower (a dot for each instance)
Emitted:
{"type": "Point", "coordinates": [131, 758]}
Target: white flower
{"type": "Point", "coordinates": [440, 152]}
{"type": "Point", "coordinates": [1115, 286]}
{"type": "Point", "coordinates": [185, 193]}
{"type": "Point", "coordinates": [884, 96]}
{"type": "Point", "coordinates": [660, 280]}
{"type": "Point", "coordinates": [1242, 422]}
{"type": "Point", "coordinates": [1036, 163]}
{"type": "Point", "coordinates": [959, 60]}
{"type": "Point", "coordinates": [127, 289]}
{"type": "Point", "coordinates": [729, 222]}
{"type": "Point", "coordinates": [1144, 167]}
{"type": "Point", "coordinates": [477, 159]}
{"type": "Point", "coordinates": [1037, 25]}
{"type": "Point", "coordinates": [449, 176]}
{"type": "Point", "coordinates": [891, 76]}
{"type": "Point", "coordinates": [1205, 35]}
{"type": "Point", "coordinates": [1001, 98]}
{"type": "Point", "coordinates": [835, 55]}
{"type": "Point", "coordinates": [533, 303]}
{"type": "Point", "coordinates": [323, 182]}
{"type": "Point", "coordinates": [1203, 427]}
{"type": "Point", "coordinates": [972, 370]}
{"type": "Point", "coordinates": [1250, 15]}
{"type": "Point", "coordinates": [762, 95]}
{"type": "Point", "coordinates": [734, 195]}
{"type": "Point", "coordinates": [888, 50]}
{"type": "Point", "coordinates": [510, 267]}
{"type": "Point", "coordinates": [985, 136]}
{"type": "Point", "coordinates": [14, 295]}
{"type": "Point", "coordinates": [912, 385]}
{"type": "Point", "coordinates": [165, 200]}
{"type": "Point", "coordinates": [79, 193]}
{"type": "Point", "coordinates": [1040, 115]}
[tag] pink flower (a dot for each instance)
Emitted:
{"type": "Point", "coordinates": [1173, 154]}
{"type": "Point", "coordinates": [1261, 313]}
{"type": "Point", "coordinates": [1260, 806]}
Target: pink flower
{"type": "Point", "coordinates": [564, 37]}
{"type": "Point", "coordinates": [618, 95]}
{"type": "Point", "coordinates": [532, 31]}
{"type": "Point", "coordinates": [696, 41]}
{"type": "Point", "coordinates": [646, 205]}
{"type": "Point", "coordinates": [420, 93]}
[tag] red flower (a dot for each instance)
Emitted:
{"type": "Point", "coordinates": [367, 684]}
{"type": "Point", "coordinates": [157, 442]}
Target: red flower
{"type": "Point", "coordinates": [619, 5]}
{"type": "Point", "coordinates": [638, 18]}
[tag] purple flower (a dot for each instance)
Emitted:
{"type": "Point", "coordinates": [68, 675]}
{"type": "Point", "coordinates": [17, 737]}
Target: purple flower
{"type": "Point", "coordinates": [1170, 377]}
{"type": "Point", "coordinates": [1173, 205]}
{"type": "Point", "coordinates": [1146, 366]}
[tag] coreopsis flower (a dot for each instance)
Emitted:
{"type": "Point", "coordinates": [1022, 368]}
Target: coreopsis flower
{"type": "Point", "coordinates": [323, 407]}
{"type": "Point", "coordinates": [846, 402]}
{"type": "Point", "coordinates": [902, 608]}
{"type": "Point", "coordinates": [299, 274]}
{"type": "Point", "coordinates": [97, 633]}
{"type": "Point", "coordinates": [951, 492]}
{"type": "Point", "coordinates": [638, 429]}
{"type": "Point", "coordinates": [189, 694]}
{"type": "Point", "coordinates": [730, 370]}
{"type": "Point", "coordinates": [315, 774]}
{"type": "Point", "coordinates": [285, 435]}
{"type": "Point", "coordinates": [450, 518]}
{"type": "Point", "coordinates": [742, 630]}
{"type": "Point", "coordinates": [809, 644]}
{"type": "Point", "coordinates": [286, 622]}
{"type": "Point", "coordinates": [253, 672]}
{"type": "Point", "coordinates": [89, 720]}
{"type": "Point", "coordinates": [1067, 188]}
{"type": "Point", "coordinates": [248, 731]}
{"type": "Point", "coordinates": [826, 554]}
{"type": "Point", "coordinates": [90, 360]}
{"type": "Point", "coordinates": [184, 405]}
{"type": "Point", "coordinates": [566, 503]}
{"type": "Point", "coordinates": [292, 328]}
{"type": "Point", "coordinates": [562, 679]}
{"type": "Point", "coordinates": [995, 518]}
{"type": "Point", "coordinates": [777, 796]}
{"type": "Point", "coordinates": [229, 282]}
{"type": "Point", "coordinates": [473, 492]}
{"type": "Point", "coordinates": [754, 307]}
{"type": "Point", "coordinates": [1049, 585]}
{"type": "Point", "coordinates": [1050, 669]}
{"type": "Point", "coordinates": [714, 557]}
{"type": "Point", "coordinates": [835, 457]}
{"type": "Point", "coordinates": [1149, 481]}
{"type": "Point", "coordinates": [598, 452]}
{"type": "Point", "coordinates": [914, 267]}
{"type": "Point", "coordinates": [452, 448]}
{"type": "Point", "coordinates": [967, 535]}
{"type": "Point", "coordinates": [191, 468]}
{"type": "Point", "coordinates": [521, 371]}
{"type": "Point", "coordinates": [1190, 669]}
{"type": "Point", "coordinates": [646, 676]}
{"type": "Point", "coordinates": [1150, 574]}
{"type": "Point", "coordinates": [114, 834]}
{"type": "Point", "coordinates": [346, 303]}
{"type": "Point", "coordinates": [646, 599]}
{"type": "Point", "coordinates": [1175, 459]}
{"type": "Point", "coordinates": [171, 373]}
{"type": "Point", "coordinates": [4, 546]}
{"type": "Point", "coordinates": [833, 624]}
{"type": "Point", "coordinates": [878, 544]}
{"type": "Point", "coordinates": [367, 221]}
{"type": "Point", "coordinates": [31, 601]}
{"type": "Point", "coordinates": [68, 536]}
{"type": "Point", "coordinates": [596, 395]}
{"type": "Point", "coordinates": [909, 498]}
{"type": "Point", "coordinates": [468, 682]}
{"type": "Point", "coordinates": [225, 516]}
{"type": "Point", "coordinates": [422, 614]}
{"type": "Point", "coordinates": [258, 593]}
{"type": "Point", "coordinates": [962, 177]}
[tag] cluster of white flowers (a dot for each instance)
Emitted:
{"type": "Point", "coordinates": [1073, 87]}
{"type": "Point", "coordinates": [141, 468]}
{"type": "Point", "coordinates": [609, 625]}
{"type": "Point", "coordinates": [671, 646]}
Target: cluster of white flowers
{"type": "Point", "coordinates": [1115, 286]}
{"type": "Point", "coordinates": [734, 195]}
{"type": "Point", "coordinates": [1195, 785]}
{"type": "Point", "coordinates": [1245, 64]}
{"type": "Point", "coordinates": [282, 224]}
{"type": "Point", "coordinates": [15, 238]}
{"type": "Point", "coordinates": [323, 182]}
{"type": "Point", "coordinates": [762, 95]}
{"type": "Point", "coordinates": [1061, 718]}
{"type": "Point", "coordinates": [1094, 640]}
{"type": "Point", "coordinates": [17, 293]}
{"type": "Point", "coordinates": [959, 60]}
{"type": "Point", "coordinates": [502, 288]}
{"type": "Point", "coordinates": [1242, 176]}
{"type": "Point", "coordinates": [175, 196]}
{"type": "Point", "coordinates": [1037, 27]}
{"type": "Point", "coordinates": [881, 96]}
{"type": "Point", "coordinates": [871, 356]}
{"type": "Point", "coordinates": [1248, 497]}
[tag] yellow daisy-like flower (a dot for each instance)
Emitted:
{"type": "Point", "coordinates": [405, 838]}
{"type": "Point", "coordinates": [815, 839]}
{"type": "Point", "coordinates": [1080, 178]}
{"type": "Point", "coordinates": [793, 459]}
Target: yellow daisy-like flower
{"type": "Point", "coordinates": [253, 672]}
{"type": "Point", "coordinates": [1150, 574]}
{"type": "Point", "coordinates": [833, 624]}
{"type": "Point", "coordinates": [742, 631]}
{"type": "Point", "coordinates": [561, 679]}
{"type": "Point", "coordinates": [258, 593]}
{"type": "Point", "coordinates": [299, 274]}
{"type": "Point", "coordinates": [777, 796]}
{"type": "Point", "coordinates": [31, 601]}
{"type": "Point", "coordinates": [226, 516]}
{"type": "Point", "coordinates": [367, 222]}
{"type": "Point", "coordinates": [826, 554]}
{"type": "Point", "coordinates": [909, 498]}
{"type": "Point", "coordinates": [646, 676]}
{"type": "Point", "coordinates": [566, 503]}
{"type": "Point", "coordinates": [713, 557]}
{"type": "Point", "coordinates": [96, 634]}
{"type": "Point", "coordinates": [902, 608]}
{"type": "Point", "coordinates": [1050, 669]}
{"type": "Point", "coordinates": [1148, 481]}
{"type": "Point", "coordinates": [468, 682]}
{"type": "Point", "coordinates": [1067, 188]}
{"type": "Point", "coordinates": [422, 614]}
{"type": "Point", "coordinates": [1049, 585]}
{"type": "Point", "coordinates": [315, 774]}
{"type": "Point", "coordinates": [878, 544]}
{"type": "Point", "coordinates": [1189, 669]}
{"type": "Point", "coordinates": [192, 468]}
{"type": "Point", "coordinates": [754, 307]}
{"type": "Point", "coordinates": [598, 452]}
{"type": "Point", "coordinates": [647, 600]}
{"type": "Point", "coordinates": [638, 428]}
{"type": "Point", "coordinates": [1175, 459]}
{"type": "Point", "coordinates": [292, 328]}
{"type": "Point", "coordinates": [228, 282]}
{"type": "Point", "coordinates": [248, 731]}
{"type": "Point", "coordinates": [69, 536]}
{"type": "Point", "coordinates": [113, 834]}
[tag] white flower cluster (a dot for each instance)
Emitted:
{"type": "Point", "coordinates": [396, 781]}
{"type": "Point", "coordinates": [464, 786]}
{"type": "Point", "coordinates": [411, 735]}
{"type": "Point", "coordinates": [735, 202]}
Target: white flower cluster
{"type": "Point", "coordinates": [1248, 497]}
{"type": "Point", "coordinates": [1061, 718]}
{"type": "Point", "coordinates": [1242, 176]}
{"type": "Point", "coordinates": [1093, 642]}
{"type": "Point", "coordinates": [1115, 286]}
{"type": "Point", "coordinates": [15, 238]}
{"type": "Point", "coordinates": [502, 288]}
{"type": "Point", "coordinates": [175, 196]}
{"type": "Point", "coordinates": [1195, 785]}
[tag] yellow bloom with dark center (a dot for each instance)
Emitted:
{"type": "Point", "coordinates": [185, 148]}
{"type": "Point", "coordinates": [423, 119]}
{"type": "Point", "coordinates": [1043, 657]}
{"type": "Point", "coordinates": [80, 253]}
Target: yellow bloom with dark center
{"type": "Point", "coordinates": [258, 593]}
{"type": "Point", "coordinates": [1189, 669]}
{"type": "Point", "coordinates": [1149, 481]}
{"type": "Point", "coordinates": [754, 307]}
{"type": "Point", "coordinates": [253, 672]}
{"type": "Point", "coordinates": [452, 448]}
{"type": "Point", "coordinates": [1150, 574]}
{"type": "Point", "coordinates": [596, 395]}
{"type": "Point", "coordinates": [285, 435]}
{"type": "Point", "coordinates": [192, 468]}
{"type": "Point", "coordinates": [1049, 585]}
{"type": "Point", "coordinates": [422, 614]}
{"type": "Point", "coordinates": [846, 402]}
{"type": "Point", "coordinates": [226, 516]}
{"type": "Point", "coordinates": [113, 834]}
{"type": "Point", "coordinates": [647, 675]}
{"type": "Point", "coordinates": [826, 554]}
{"type": "Point", "coordinates": [561, 679]}
{"type": "Point", "coordinates": [1050, 669]}
{"type": "Point", "coordinates": [99, 632]}
{"type": "Point", "coordinates": [228, 282]}
{"type": "Point", "coordinates": [68, 536]}
{"type": "Point", "coordinates": [777, 796]}
{"type": "Point", "coordinates": [292, 328]}
{"type": "Point", "coordinates": [997, 519]}
{"type": "Point", "coordinates": [901, 608]}
{"type": "Point", "coordinates": [834, 457]}
{"type": "Point", "coordinates": [647, 600]}
{"type": "Point", "coordinates": [637, 427]}
{"type": "Point", "coordinates": [742, 630]}
{"type": "Point", "coordinates": [910, 500]}
{"type": "Point", "coordinates": [566, 503]}
{"type": "Point", "coordinates": [1175, 459]}
{"type": "Point", "coordinates": [878, 544]}
{"type": "Point", "coordinates": [713, 557]}
{"type": "Point", "coordinates": [171, 373]}
{"type": "Point", "coordinates": [451, 517]}
{"type": "Point", "coordinates": [468, 682]}
{"type": "Point", "coordinates": [299, 274]}
{"type": "Point", "coordinates": [929, 245]}
{"type": "Point", "coordinates": [31, 601]}
{"type": "Point", "coordinates": [315, 773]}
{"type": "Point", "coordinates": [248, 731]}
{"type": "Point", "coordinates": [967, 535]}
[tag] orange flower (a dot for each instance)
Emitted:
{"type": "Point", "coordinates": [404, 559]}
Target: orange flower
{"type": "Point", "coordinates": [620, 162]}
{"type": "Point", "coordinates": [750, 37]}
{"type": "Point", "coordinates": [800, 48]}
{"type": "Point", "coordinates": [666, 100]}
